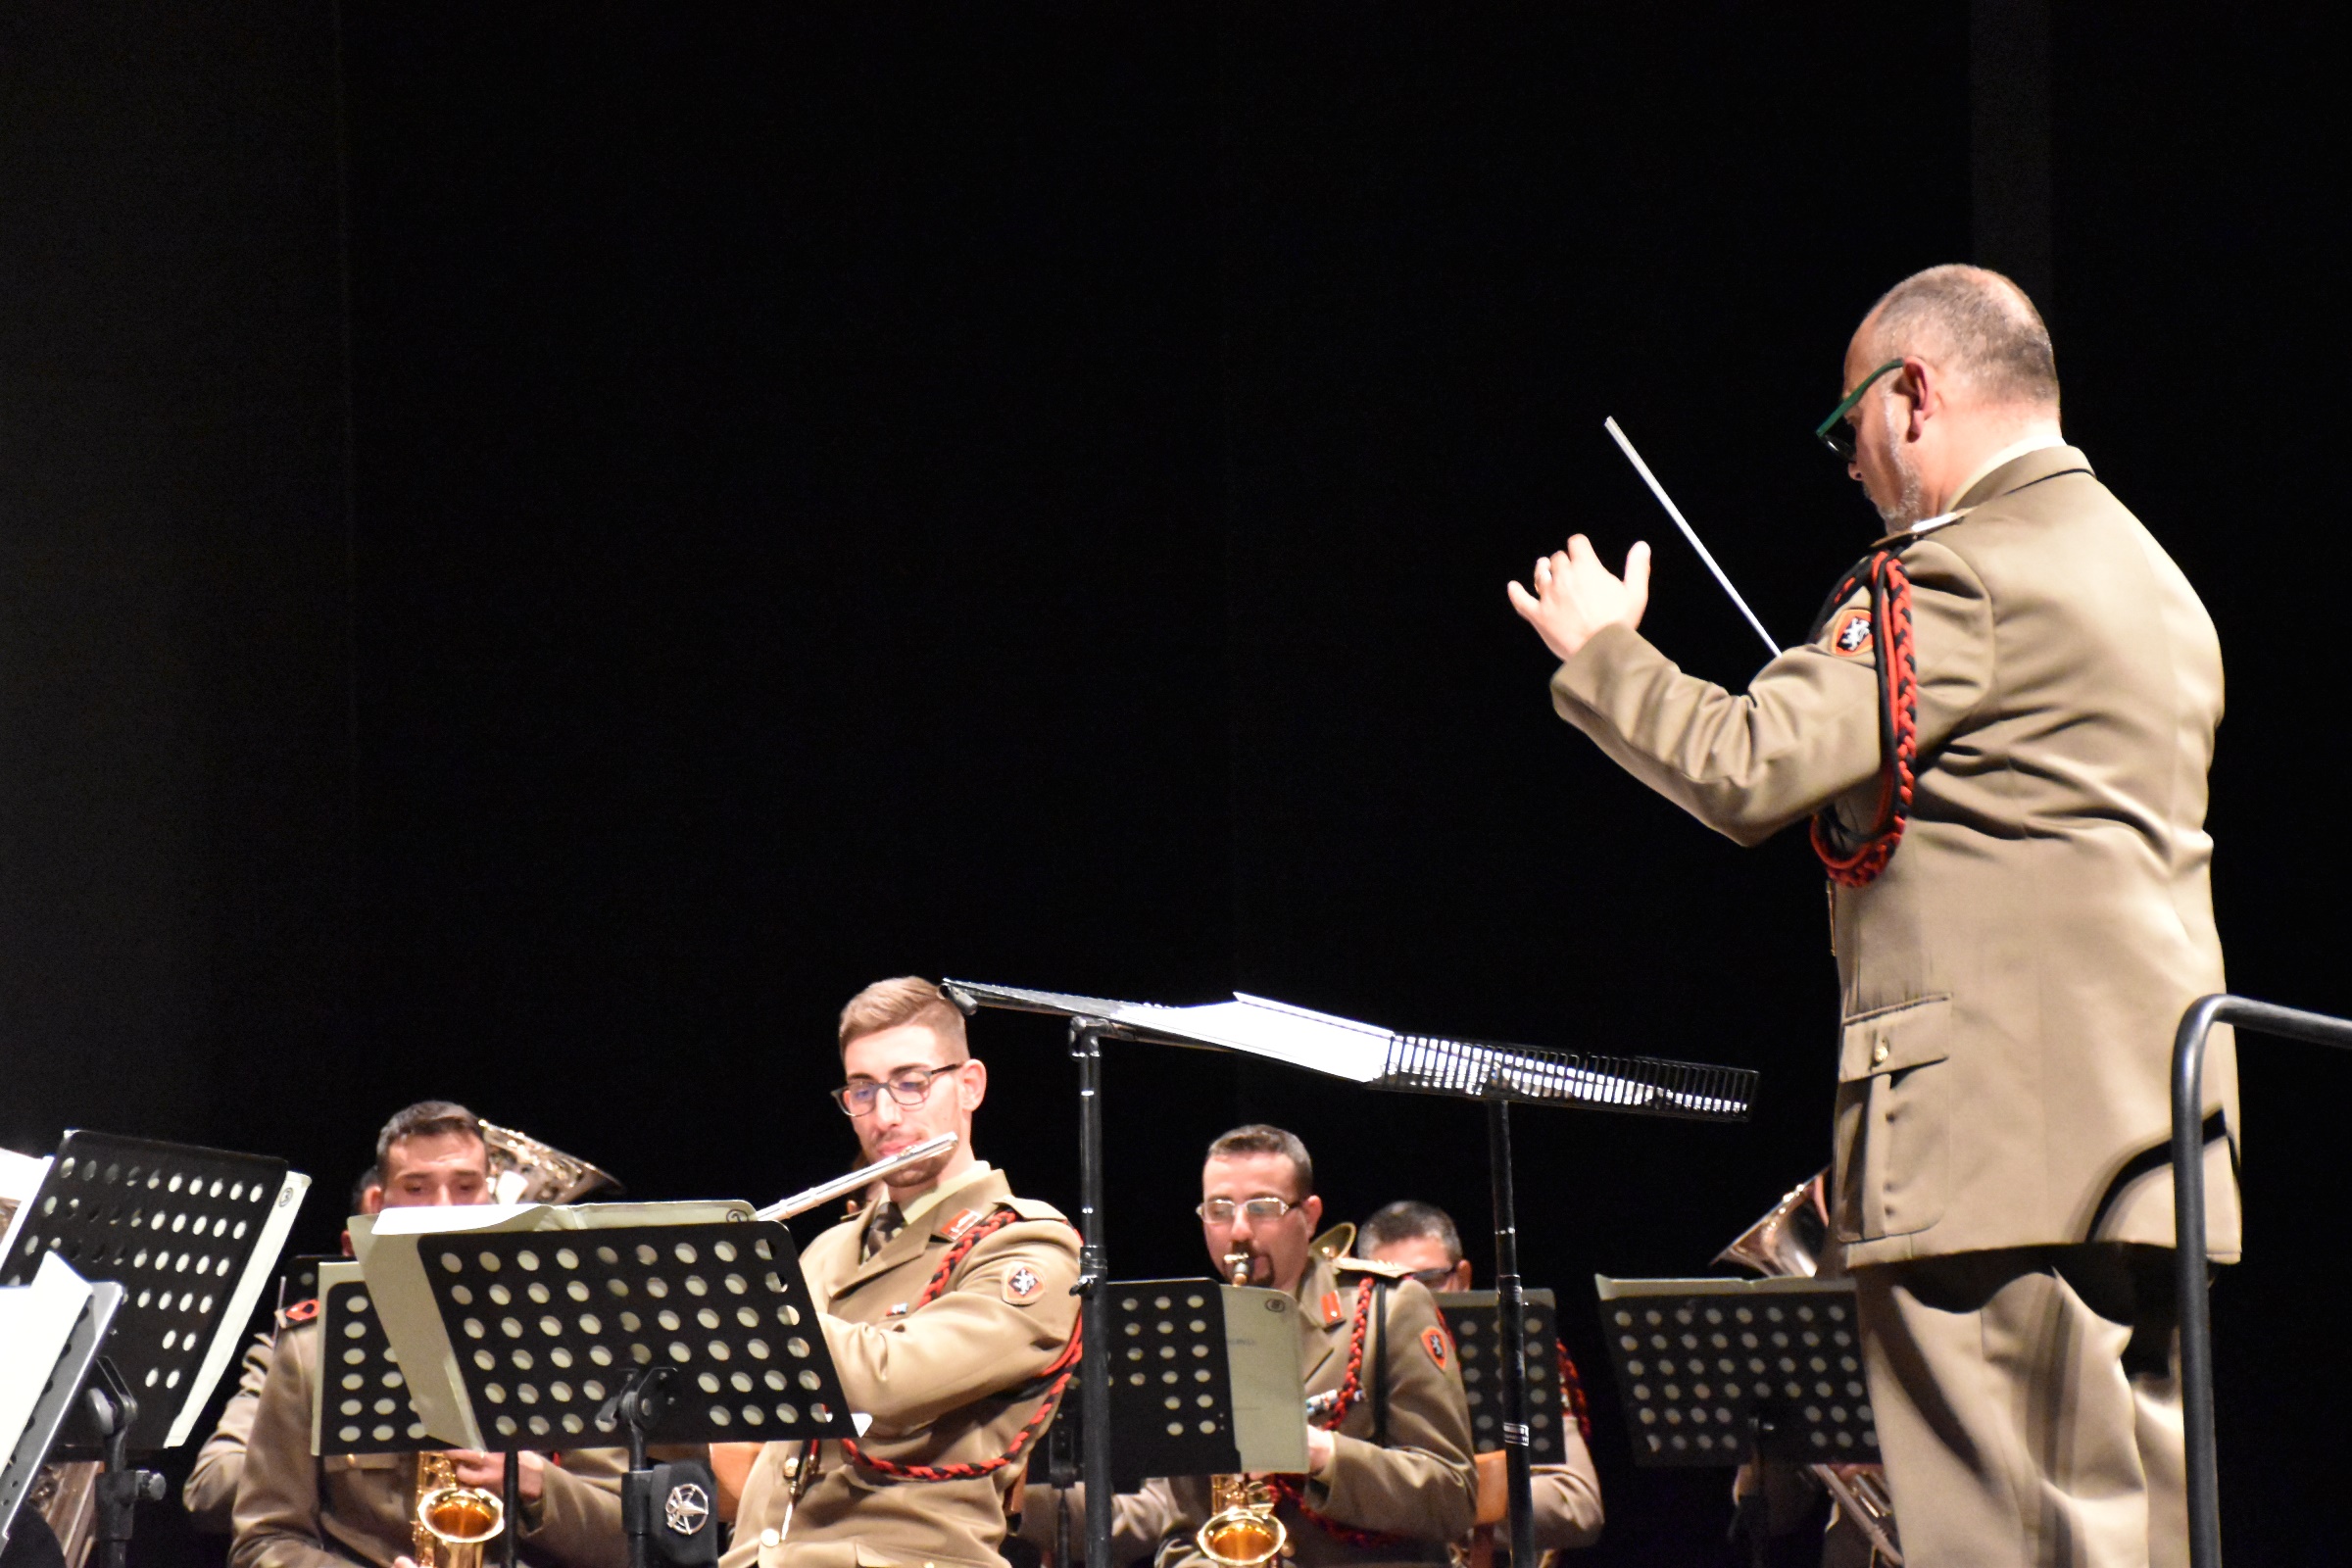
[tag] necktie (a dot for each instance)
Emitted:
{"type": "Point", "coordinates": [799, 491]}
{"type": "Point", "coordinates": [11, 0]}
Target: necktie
{"type": "Point", "coordinates": [883, 1227]}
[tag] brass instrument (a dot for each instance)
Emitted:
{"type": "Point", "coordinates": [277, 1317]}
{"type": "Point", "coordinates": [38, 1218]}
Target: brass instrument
{"type": "Point", "coordinates": [524, 1170]}
{"type": "Point", "coordinates": [1334, 1243]}
{"type": "Point", "coordinates": [1790, 1242]}
{"type": "Point", "coordinates": [1242, 1530]}
{"type": "Point", "coordinates": [453, 1521]}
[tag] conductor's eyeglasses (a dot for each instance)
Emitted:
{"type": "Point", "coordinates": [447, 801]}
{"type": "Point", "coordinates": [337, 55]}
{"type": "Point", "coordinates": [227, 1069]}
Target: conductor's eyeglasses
{"type": "Point", "coordinates": [1834, 432]}
{"type": "Point", "coordinates": [1261, 1211]}
{"type": "Point", "coordinates": [909, 1088]}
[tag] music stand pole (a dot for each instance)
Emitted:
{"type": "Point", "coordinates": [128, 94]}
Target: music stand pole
{"type": "Point", "coordinates": [1093, 1269]}
{"type": "Point", "coordinates": [642, 1404]}
{"type": "Point", "coordinates": [122, 1487]}
{"type": "Point", "coordinates": [1511, 1303]}
{"type": "Point", "coordinates": [514, 1486]}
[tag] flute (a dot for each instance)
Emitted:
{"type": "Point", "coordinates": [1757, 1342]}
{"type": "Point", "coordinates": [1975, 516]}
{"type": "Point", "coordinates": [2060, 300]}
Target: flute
{"type": "Point", "coordinates": [843, 1185]}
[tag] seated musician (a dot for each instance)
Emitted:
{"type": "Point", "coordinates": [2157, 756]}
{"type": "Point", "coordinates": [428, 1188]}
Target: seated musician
{"type": "Point", "coordinates": [210, 1493]}
{"type": "Point", "coordinates": [297, 1511]}
{"type": "Point", "coordinates": [1402, 1495]}
{"type": "Point", "coordinates": [946, 1307]}
{"type": "Point", "coordinates": [1421, 1238]}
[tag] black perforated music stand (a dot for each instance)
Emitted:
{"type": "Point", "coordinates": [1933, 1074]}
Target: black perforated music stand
{"type": "Point", "coordinates": [1715, 1372]}
{"type": "Point", "coordinates": [190, 1233]}
{"type": "Point", "coordinates": [1205, 1380]}
{"type": "Point", "coordinates": [672, 1333]}
{"type": "Point", "coordinates": [1475, 1320]}
{"type": "Point", "coordinates": [360, 1402]}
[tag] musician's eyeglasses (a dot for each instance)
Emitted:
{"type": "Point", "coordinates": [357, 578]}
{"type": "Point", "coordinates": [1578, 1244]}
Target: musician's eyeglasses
{"type": "Point", "coordinates": [1432, 1278]}
{"type": "Point", "coordinates": [1261, 1211]}
{"type": "Point", "coordinates": [909, 1088]}
{"type": "Point", "coordinates": [1834, 432]}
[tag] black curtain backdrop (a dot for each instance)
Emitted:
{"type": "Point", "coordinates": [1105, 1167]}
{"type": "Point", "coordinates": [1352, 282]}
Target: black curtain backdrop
{"type": "Point", "coordinates": [546, 545]}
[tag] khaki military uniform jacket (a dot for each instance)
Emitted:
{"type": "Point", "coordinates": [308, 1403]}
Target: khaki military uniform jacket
{"type": "Point", "coordinates": [286, 1519]}
{"type": "Point", "coordinates": [950, 1382]}
{"type": "Point", "coordinates": [1421, 1487]}
{"type": "Point", "coordinates": [210, 1493]}
{"type": "Point", "coordinates": [2012, 981]}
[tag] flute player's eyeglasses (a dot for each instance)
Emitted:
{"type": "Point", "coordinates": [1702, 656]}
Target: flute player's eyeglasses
{"type": "Point", "coordinates": [1834, 432]}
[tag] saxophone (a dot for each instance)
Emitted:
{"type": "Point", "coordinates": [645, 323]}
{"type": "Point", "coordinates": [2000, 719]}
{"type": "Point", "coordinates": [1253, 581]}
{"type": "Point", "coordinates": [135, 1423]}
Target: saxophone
{"type": "Point", "coordinates": [1242, 1530]}
{"type": "Point", "coordinates": [453, 1523]}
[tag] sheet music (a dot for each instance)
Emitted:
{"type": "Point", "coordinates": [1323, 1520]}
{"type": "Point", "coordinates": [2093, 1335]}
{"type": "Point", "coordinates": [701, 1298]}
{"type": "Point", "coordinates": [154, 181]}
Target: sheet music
{"type": "Point", "coordinates": [51, 1329]}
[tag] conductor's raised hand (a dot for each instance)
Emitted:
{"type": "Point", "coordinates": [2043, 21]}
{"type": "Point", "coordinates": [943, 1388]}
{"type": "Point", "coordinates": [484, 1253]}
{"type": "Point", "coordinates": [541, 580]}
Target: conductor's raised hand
{"type": "Point", "coordinates": [1576, 595]}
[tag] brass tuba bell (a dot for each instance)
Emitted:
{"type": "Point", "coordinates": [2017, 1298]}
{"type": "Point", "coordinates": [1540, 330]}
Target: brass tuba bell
{"type": "Point", "coordinates": [1334, 1243]}
{"type": "Point", "coordinates": [524, 1170]}
{"type": "Point", "coordinates": [454, 1523]}
{"type": "Point", "coordinates": [1242, 1530]}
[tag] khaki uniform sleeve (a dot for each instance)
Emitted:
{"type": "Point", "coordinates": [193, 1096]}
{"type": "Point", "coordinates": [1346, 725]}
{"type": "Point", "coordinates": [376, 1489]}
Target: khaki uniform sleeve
{"type": "Point", "coordinates": [210, 1493]}
{"type": "Point", "coordinates": [1806, 730]}
{"type": "Point", "coordinates": [577, 1523]}
{"type": "Point", "coordinates": [1567, 1499]}
{"type": "Point", "coordinates": [1141, 1520]}
{"type": "Point", "coordinates": [1423, 1484]}
{"type": "Point", "coordinates": [276, 1512]}
{"type": "Point", "coordinates": [972, 1342]}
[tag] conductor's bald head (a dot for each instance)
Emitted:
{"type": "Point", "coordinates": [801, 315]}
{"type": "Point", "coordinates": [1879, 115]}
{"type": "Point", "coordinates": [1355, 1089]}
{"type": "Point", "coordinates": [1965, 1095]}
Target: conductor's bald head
{"type": "Point", "coordinates": [1974, 324]}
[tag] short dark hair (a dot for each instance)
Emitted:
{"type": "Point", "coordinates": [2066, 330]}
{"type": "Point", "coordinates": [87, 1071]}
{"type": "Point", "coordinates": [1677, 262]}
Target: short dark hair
{"type": "Point", "coordinates": [373, 1176]}
{"type": "Point", "coordinates": [1257, 1138]}
{"type": "Point", "coordinates": [1407, 1220]}
{"type": "Point", "coordinates": [427, 1119]}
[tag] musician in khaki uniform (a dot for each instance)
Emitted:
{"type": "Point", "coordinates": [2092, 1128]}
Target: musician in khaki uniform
{"type": "Point", "coordinates": [946, 1307]}
{"type": "Point", "coordinates": [1421, 1239]}
{"type": "Point", "coordinates": [295, 1510]}
{"type": "Point", "coordinates": [2013, 974]}
{"type": "Point", "coordinates": [1389, 1480]}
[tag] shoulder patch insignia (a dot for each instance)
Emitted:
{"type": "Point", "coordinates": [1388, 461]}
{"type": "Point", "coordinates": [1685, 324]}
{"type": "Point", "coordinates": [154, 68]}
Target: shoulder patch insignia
{"type": "Point", "coordinates": [1852, 636]}
{"type": "Point", "coordinates": [964, 1221]}
{"type": "Point", "coordinates": [1022, 1285]}
{"type": "Point", "coordinates": [303, 1311]}
{"type": "Point", "coordinates": [1440, 1349]}
{"type": "Point", "coordinates": [1331, 1308]}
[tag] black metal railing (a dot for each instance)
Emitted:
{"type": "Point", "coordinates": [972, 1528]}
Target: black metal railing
{"type": "Point", "coordinates": [2188, 1221]}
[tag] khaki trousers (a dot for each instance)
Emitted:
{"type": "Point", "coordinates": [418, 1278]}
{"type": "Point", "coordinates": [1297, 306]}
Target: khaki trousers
{"type": "Point", "coordinates": [2029, 1406]}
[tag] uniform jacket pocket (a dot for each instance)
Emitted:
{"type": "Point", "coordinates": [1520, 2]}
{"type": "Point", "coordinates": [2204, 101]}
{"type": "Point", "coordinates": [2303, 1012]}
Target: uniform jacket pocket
{"type": "Point", "coordinates": [1893, 1120]}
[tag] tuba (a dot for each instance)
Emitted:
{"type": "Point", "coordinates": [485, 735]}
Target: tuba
{"type": "Point", "coordinates": [1242, 1530]}
{"type": "Point", "coordinates": [453, 1523]}
{"type": "Point", "coordinates": [524, 1170]}
{"type": "Point", "coordinates": [1790, 1242]}
{"type": "Point", "coordinates": [1334, 1243]}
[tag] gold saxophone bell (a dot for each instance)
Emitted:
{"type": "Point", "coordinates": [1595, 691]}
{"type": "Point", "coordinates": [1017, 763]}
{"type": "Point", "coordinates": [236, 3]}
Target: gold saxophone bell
{"type": "Point", "coordinates": [454, 1523]}
{"type": "Point", "coordinates": [1242, 1530]}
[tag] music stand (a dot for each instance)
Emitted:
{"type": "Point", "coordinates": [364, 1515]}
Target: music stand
{"type": "Point", "coordinates": [1716, 1372]}
{"type": "Point", "coordinates": [360, 1402]}
{"type": "Point", "coordinates": [684, 1333]}
{"type": "Point", "coordinates": [1497, 1074]}
{"type": "Point", "coordinates": [1475, 1320]}
{"type": "Point", "coordinates": [1204, 1380]}
{"type": "Point", "coordinates": [53, 1329]}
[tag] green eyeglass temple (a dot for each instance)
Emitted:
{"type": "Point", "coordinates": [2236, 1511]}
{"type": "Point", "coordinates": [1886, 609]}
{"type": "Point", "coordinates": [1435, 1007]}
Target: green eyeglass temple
{"type": "Point", "coordinates": [1830, 432]}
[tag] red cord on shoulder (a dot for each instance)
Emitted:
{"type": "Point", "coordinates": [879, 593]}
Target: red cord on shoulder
{"type": "Point", "coordinates": [1898, 725]}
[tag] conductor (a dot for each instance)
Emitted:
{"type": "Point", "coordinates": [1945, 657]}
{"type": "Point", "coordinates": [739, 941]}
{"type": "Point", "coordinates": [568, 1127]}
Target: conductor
{"type": "Point", "coordinates": [2000, 730]}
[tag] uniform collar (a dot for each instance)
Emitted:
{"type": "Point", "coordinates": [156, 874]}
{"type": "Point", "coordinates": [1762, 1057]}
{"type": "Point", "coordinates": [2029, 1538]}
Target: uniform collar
{"type": "Point", "coordinates": [973, 1196]}
{"type": "Point", "coordinates": [2011, 471]}
{"type": "Point", "coordinates": [930, 1201]}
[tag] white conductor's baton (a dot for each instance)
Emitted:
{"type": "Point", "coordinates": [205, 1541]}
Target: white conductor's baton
{"type": "Point", "coordinates": [1771, 648]}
